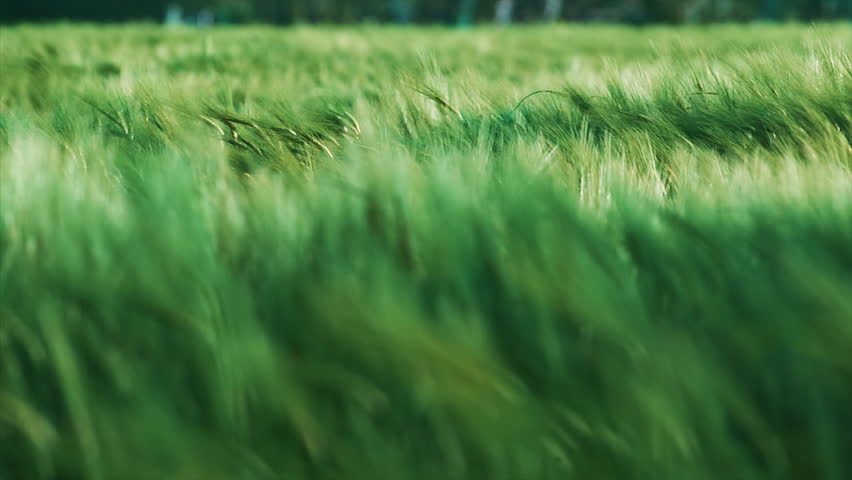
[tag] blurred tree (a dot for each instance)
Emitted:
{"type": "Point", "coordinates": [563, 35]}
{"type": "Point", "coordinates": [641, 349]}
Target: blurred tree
{"type": "Point", "coordinates": [669, 11]}
{"type": "Point", "coordinates": [402, 11]}
{"type": "Point", "coordinates": [467, 12]}
{"type": "Point", "coordinates": [504, 11]}
{"type": "Point", "coordinates": [770, 9]}
{"type": "Point", "coordinates": [552, 10]}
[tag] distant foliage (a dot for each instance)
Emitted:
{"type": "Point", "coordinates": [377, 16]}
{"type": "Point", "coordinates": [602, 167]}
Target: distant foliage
{"type": "Point", "coordinates": [437, 11]}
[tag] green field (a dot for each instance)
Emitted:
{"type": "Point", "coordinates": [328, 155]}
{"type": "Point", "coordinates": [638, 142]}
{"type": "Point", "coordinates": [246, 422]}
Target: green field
{"type": "Point", "coordinates": [543, 252]}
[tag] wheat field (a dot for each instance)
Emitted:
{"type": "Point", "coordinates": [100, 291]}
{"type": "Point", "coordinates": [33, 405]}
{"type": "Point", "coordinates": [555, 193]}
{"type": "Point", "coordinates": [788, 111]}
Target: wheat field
{"type": "Point", "coordinates": [537, 252]}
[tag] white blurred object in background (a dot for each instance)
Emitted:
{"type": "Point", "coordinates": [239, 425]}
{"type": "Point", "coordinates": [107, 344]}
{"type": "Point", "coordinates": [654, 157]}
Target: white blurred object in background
{"type": "Point", "coordinates": [205, 18]}
{"type": "Point", "coordinates": [174, 15]}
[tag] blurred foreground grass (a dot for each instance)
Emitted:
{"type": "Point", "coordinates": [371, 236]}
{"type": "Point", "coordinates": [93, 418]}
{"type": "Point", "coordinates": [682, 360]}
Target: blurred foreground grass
{"type": "Point", "coordinates": [369, 253]}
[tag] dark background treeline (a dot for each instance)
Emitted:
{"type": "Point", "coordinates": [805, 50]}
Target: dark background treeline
{"type": "Point", "coordinates": [432, 11]}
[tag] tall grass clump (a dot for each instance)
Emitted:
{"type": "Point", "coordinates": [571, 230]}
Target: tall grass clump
{"type": "Point", "coordinates": [396, 253]}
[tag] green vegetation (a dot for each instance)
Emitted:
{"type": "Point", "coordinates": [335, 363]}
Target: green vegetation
{"type": "Point", "coordinates": [374, 253]}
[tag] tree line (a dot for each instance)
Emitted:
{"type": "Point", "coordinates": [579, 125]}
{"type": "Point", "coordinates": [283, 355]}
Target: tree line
{"type": "Point", "coordinates": [460, 12]}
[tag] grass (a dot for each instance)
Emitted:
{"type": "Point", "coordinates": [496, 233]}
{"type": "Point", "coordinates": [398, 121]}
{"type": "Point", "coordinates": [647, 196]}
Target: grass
{"type": "Point", "coordinates": [378, 253]}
